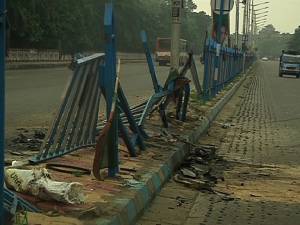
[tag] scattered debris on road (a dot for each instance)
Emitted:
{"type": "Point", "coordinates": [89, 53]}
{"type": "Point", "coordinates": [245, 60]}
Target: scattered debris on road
{"type": "Point", "coordinates": [198, 168]}
{"type": "Point", "coordinates": [27, 140]}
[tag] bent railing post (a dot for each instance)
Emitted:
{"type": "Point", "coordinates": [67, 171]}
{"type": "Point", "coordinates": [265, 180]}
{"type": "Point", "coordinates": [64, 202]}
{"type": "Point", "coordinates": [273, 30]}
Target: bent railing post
{"type": "Point", "coordinates": [157, 87]}
{"type": "Point", "coordinates": [137, 138]}
{"type": "Point", "coordinates": [110, 77]}
{"type": "Point", "coordinates": [196, 78]}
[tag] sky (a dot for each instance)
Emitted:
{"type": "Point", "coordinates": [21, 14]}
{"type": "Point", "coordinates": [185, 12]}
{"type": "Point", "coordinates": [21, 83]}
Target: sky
{"type": "Point", "coordinates": [283, 14]}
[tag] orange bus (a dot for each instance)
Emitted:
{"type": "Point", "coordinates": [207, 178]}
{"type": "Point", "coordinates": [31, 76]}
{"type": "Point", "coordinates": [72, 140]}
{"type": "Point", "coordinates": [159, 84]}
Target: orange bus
{"type": "Point", "coordinates": [163, 51]}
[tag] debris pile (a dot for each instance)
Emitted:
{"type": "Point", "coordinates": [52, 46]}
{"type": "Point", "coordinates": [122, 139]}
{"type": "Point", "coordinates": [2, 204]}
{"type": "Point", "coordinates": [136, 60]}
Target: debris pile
{"type": "Point", "coordinates": [27, 140]}
{"type": "Point", "coordinates": [198, 170]}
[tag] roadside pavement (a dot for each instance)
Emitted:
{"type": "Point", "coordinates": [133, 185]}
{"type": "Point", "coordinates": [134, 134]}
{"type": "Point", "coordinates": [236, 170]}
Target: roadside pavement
{"type": "Point", "coordinates": [257, 136]}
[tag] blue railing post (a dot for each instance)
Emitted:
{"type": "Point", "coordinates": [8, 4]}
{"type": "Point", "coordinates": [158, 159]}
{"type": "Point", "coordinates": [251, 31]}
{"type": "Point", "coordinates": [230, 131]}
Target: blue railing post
{"type": "Point", "coordinates": [2, 103]}
{"type": "Point", "coordinates": [110, 75]}
{"type": "Point", "coordinates": [157, 87]}
{"type": "Point", "coordinates": [206, 71]}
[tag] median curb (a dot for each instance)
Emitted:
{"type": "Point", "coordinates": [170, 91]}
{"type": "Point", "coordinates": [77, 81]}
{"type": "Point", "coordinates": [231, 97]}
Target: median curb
{"type": "Point", "coordinates": [130, 208]}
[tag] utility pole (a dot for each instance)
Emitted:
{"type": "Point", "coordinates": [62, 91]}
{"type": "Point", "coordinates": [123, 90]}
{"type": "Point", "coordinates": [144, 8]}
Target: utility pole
{"type": "Point", "coordinates": [248, 21]}
{"type": "Point", "coordinates": [2, 102]}
{"type": "Point", "coordinates": [177, 11]}
{"type": "Point", "coordinates": [245, 24]}
{"type": "Point", "coordinates": [252, 25]}
{"type": "Point", "coordinates": [244, 41]}
{"type": "Point", "coordinates": [218, 49]}
{"type": "Point", "coordinates": [237, 23]}
{"type": "Point", "coordinates": [219, 31]}
{"type": "Point", "coordinates": [249, 17]}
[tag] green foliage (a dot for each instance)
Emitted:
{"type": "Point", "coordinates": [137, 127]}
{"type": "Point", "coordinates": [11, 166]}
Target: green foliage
{"type": "Point", "coordinates": [270, 42]}
{"type": "Point", "coordinates": [73, 26]}
{"type": "Point", "coordinates": [294, 43]}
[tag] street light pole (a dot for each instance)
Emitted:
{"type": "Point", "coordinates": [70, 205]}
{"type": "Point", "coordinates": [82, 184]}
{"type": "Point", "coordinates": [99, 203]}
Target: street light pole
{"type": "Point", "coordinates": [177, 10]}
{"type": "Point", "coordinates": [252, 25]}
{"type": "Point", "coordinates": [220, 21]}
{"type": "Point", "coordinates": [255, 19]}
{"type": "Point", "coordinates": [218, 50]}
{"type": "Point", "coordinates": [245, 24]}
{"type": "Point", "coordinates": [237, 23]}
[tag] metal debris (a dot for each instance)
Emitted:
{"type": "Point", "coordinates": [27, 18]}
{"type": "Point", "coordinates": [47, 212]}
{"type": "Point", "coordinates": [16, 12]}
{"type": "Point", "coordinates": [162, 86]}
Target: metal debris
{"type": "Point", "coordinates": [198, 170]}
{"type": "Point", "coordinates": [27, 140]}
{"type": "Point", "coordinates": [226, 125]}
{"type": "Point", "coordinates": [188, 173]}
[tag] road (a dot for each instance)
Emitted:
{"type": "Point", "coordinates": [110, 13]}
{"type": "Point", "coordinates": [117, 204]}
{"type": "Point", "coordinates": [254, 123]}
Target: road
{"type": "Point", "coordinates": [33, 96]}
{"type": "Point", "coordinates": [260, 169]}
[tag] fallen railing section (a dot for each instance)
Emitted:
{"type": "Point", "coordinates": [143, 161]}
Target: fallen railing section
{"type": "Point", "coordinates": [176, 88]}
{"type": "Point", "coordinates": [74, 126]}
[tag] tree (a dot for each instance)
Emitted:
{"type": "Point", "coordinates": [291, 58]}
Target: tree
{"type": "Point", "coordinates": [73, 26]}
{"type": "Point", "coordinates": [270, 42]}
{"type": "Point", "coordinates": [294, 43]}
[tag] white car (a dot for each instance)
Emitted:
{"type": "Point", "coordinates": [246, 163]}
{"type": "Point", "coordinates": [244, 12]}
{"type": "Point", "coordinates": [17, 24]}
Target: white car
{"type": "Point", "coordinates": [264, 59]}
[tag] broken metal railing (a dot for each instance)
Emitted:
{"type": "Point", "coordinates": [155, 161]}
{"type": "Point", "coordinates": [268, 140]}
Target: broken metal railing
{"type": "Point", "coordinates": [107, 152]}
{"type": "Point", "coordinates": [178, 88]}
{"type": "Point", "coordinates": [13, 203]}
{"type": "Point", "coordinates": [74, 126]}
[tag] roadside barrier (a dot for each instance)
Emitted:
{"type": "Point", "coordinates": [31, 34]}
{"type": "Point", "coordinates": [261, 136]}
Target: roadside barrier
{"type": "Point", "coordinates": [36, 55]}
{"type": "Point", "coordinates": [48, 55]}
{"type": "Point", "coordinates": [231, 62]}
{"type": "Point", "coordinates": [96, 77]}
{"type": "Point", "coordinates": [15, 203]}
{"type": "Point", "coordinates": [78, 125]}
{"type": "Point", "coordinates": [74, 126]}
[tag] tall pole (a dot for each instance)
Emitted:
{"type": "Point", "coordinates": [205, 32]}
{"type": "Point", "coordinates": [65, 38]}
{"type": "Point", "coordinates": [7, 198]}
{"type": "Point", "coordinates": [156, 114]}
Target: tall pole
{"type": "Point", "coordinates": [246, 19]}
{"type": "Point", "coordinates": [2, 102]}
{"type": "Point", "coordinates": [177, 10]}
{"type": "Point", "coordinates": [237, 23]}
{"type": "Point", "coordinates": [245, 25]}
{"type": "Point", "coordinates": [249, 15]}
{"type": "Point", "coordinates": [252, 25]}
{"type": "Point", "coordinates": [219, 32]}
{"type": "Point", "coordinates": [248, 22]}
{"type": "Point", "coordinates": [218, 50]}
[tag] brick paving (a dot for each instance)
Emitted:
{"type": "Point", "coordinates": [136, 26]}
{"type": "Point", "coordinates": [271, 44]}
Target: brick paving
{"type": "Point", "coordinates": [262, 154]}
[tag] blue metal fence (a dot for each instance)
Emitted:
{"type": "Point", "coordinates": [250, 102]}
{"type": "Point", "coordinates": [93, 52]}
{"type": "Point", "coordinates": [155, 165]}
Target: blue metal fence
{"type": "Point", "coordinates": [74, 126]}
{"type": "Point", "coordinates": [230, 64]}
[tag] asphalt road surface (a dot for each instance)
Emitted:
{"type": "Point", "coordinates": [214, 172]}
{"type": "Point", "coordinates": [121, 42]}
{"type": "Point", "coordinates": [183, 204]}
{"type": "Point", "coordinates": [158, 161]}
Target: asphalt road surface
{"type": "Point", "coordinates": [33, 96]}
{"type": "Point", "coordinates": [260, 169]}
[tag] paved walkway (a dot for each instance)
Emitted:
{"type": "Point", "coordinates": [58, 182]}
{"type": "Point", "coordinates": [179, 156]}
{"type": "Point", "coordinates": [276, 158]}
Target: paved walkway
{"type": "Point", "coordinates": [261, 169]}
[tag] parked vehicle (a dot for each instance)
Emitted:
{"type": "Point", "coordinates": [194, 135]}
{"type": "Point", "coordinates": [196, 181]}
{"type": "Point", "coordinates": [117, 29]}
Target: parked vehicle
{"type": "Point", "coordinates": [289, 63]}
{"type": "Point", "coordinates": [264, 59]}
{"type": "Point", "coordinates": [163, 51]}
